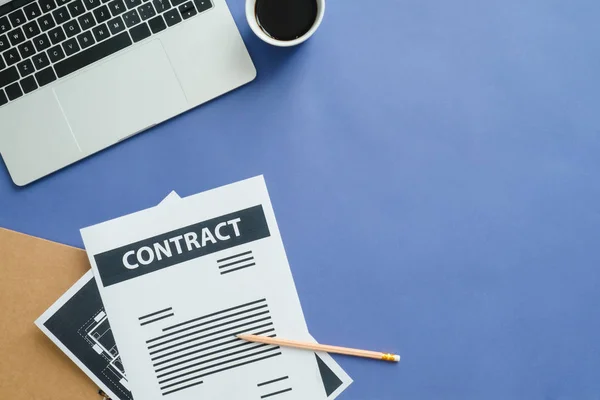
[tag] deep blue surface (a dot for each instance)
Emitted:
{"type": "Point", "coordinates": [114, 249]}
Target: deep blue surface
{"type": "Point", "coordinates": [434, 167]}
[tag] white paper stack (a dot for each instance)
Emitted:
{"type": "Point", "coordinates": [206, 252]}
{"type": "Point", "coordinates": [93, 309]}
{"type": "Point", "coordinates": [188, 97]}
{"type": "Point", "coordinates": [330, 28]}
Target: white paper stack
{"type": "Point", "coordinates": [178, 282]}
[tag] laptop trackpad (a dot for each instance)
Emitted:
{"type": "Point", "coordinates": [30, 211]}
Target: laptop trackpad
{"type": "Point", "coordinates": [121, 96]}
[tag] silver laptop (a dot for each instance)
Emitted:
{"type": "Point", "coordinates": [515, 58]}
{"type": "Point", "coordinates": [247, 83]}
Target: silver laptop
{"type": "Point", "coordinates": [77, 76]}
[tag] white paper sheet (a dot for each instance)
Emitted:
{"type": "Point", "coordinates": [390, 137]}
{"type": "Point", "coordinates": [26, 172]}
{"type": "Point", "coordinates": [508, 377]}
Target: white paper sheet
{"type": "Point", "coordinates": [73, 321]}
{"type": "Point", "coordinates": [179, 281]}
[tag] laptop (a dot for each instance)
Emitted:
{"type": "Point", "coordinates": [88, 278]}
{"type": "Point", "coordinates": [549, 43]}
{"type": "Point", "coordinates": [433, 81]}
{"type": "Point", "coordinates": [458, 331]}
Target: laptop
{"type": "Point", "coordinates": [77, 76]}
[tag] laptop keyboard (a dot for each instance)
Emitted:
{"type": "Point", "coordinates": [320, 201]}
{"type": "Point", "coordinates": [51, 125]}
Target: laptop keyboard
{"type": "Point", "coordinates": [45, 40]}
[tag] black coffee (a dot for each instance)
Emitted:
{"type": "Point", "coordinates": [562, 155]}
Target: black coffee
{"type": "Point", "coordinates": [286, 19]}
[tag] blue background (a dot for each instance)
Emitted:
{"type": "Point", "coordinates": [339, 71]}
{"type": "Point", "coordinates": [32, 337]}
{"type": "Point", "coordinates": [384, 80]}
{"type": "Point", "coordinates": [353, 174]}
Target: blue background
{"type": "Point", "coordinates": [434, 170]}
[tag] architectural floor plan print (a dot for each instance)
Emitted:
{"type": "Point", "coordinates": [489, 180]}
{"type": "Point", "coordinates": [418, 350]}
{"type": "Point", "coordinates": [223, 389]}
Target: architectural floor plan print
{"type": "Point", "coordinates": [78, 324]}
{"type": "Point", "coordinates": [97, 333]}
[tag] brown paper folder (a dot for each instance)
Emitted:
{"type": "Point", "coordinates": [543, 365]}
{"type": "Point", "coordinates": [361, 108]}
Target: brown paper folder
{"type": "Point", "coordinates": [34, 273]}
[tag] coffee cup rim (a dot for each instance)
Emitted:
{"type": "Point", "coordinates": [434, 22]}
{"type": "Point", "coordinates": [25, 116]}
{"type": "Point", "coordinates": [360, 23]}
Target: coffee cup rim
{"type": "Point", "coordinates": [258, 31]}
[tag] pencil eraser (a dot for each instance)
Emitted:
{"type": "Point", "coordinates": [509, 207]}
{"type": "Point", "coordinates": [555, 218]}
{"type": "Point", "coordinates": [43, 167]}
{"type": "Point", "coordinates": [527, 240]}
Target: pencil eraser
{"type": "Point", "coordinates": [396, 358]}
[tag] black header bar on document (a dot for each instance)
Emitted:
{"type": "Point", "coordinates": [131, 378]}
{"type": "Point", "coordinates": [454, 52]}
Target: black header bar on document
{"type": "Point", "coordinates": [184, 244]}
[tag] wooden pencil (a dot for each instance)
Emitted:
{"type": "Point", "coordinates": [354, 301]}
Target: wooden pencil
{"type": "Point", "coordinates": [321, 347]}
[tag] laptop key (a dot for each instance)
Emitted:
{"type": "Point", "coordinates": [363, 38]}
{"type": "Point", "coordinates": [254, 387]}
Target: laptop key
{"type": "Point", "coordinates": [86, 39]}
{"type": "Point", "coordinates": [4, 45]}
{"type": "Point", "coordinates": [29, 84]}
{"type": "Point", "coordinates": [86, 21]}
{"type": "Point", "coordinates": [203, 5]}
{"type": "Point", "coordinates": [32, 11]}
{"type": "Point", "coordinates": [4, 25]}
{"type": "Point", "coordinates": [117, 7]}
{"type": "Point", "coordinates": [41, 42]}
{"type": "Point", "coordinates": [62, 2]}
{"type": "Point", "coordinates": [2, 64]}
{"type": "Point", "coordinates": [14, 91]}
{"type": "Point", "coordinates": [76, 8]}
{"type": "Point", "coordinates": [16, 36]}
{"type": "Point", "coordinates": [187, 10]}
{"type": "Point", "coordinates": [146, 11]}
{"type": "Point", "coordinates": [116, 25]}
{"type": "Point", "coordinates": [101, 32]}
{"type": "Point", "coordinates": [17, 18]}
{"type": "Point", "coordinates": [157, 24]}
{"type": "Point", "coordinates": [17, 4]}
{"type": "Point", "coordinates": [140, 32]}
{"type": "Point", "coordinates": [46, 22]}
{"type": "Point", "coordinates": [172, 17]}
{"type": "Point", "coordinates": [102, 14]}
{"type": "Point", "coordinates": [56, 54]}
{"type": "Point", "coordinates": [20, 3]}
{"type": "Point", "coordinates": [11, 57]}
{"type": "Point", "coordinates": [26, 67]}
{"type": "Point", "coordinates": [71, 47]}
{"type": "Point", "coordinates": [91, 4]}
{"type": "Point", "coordinates": [61, 15]}
{"type": "Point", "coordinates": [26, 49]}
{"type": "Point", "coordinates": [132, 3]}
{"type": "Point", "coordinates": [162, 5]}
{"type": "Point", "coordinates": [31, 29]}
{"type": "Point", "coordinates": [72, 28]}
{"type": "Point", "coordinates": [47, 5]}
{"type": "Point", "coordinates": [57, 35]}
{"type": "Point", "coordinates": [45, 76]}
{"type": "Point", "coordinates": [3, 98]}
{"type": "Point", "coordinates": [8, 76]}
{"type": "Point", "coordinates": [41, 61]}
{"type": "Point", "coordinates": [131, 18]}
{"type": "Point", "coordinates": [177, 3]}
{"type": "Point", "coordinates": [93, 54]}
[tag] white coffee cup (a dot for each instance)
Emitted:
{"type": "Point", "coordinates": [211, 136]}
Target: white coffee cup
{"type": "Point", "coordinates": [253, 22]}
